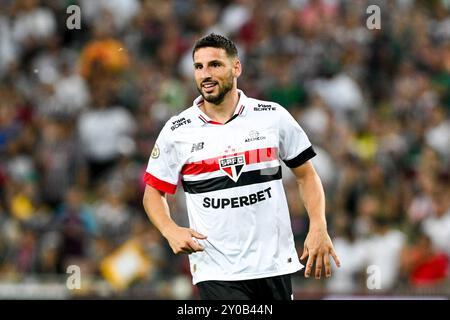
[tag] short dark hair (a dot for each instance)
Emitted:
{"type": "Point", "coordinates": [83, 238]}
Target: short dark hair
{"type": "Point", "coordinates": [216, 41]}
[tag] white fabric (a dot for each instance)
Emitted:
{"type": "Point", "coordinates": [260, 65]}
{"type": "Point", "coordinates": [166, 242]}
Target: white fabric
{"type": "Point", "coordinates": [72, 93]}
{"type": "Point", "coordinates": [438, 230]}
{"type": "Point", "coordinates": [39, 23]}
{"type": "Point", "coordinates": [245, 241]}
{"type": "Point", "coordinates": [106, 134]}
{"type": "Point", "coordinates": [341, 94]}
{"type": "Point", "coordinates": [383, 251]}
{"type": "Point", "coordinates": [353, 256]}
{"type": "Point", "coordinates": [439, 138]}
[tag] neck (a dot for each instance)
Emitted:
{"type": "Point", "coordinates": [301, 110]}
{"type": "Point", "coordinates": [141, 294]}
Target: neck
{"type": "Point", "coordinates": [224, 111]}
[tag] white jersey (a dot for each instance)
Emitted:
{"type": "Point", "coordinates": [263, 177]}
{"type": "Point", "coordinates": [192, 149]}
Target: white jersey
{"type": "Point", "coordinates": [231, 175]}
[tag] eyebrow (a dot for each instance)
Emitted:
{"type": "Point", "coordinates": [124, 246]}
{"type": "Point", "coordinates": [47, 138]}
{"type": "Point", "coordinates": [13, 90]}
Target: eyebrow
{"type": "Point", "coordinates": [209, 62]}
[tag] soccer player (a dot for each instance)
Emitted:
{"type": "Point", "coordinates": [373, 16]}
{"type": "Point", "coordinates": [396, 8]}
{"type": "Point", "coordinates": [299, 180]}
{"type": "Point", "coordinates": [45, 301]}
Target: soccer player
{"type": "Point", "coordinates": [226, 149]}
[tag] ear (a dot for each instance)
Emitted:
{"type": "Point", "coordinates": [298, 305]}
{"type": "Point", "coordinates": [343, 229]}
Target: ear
{"type": "Point", "coordinates": [237, 68]}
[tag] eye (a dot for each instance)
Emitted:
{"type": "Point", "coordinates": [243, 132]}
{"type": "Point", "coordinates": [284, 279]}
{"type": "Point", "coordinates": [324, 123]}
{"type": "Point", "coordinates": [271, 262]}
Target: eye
{"type": "Point", "coordinates": [216, 64]}
{"type": "Point", "coordinates": [198, 66]}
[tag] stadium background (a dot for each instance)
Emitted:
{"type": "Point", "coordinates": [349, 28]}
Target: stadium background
{"type": "Point", "coordinates": [80, 111]}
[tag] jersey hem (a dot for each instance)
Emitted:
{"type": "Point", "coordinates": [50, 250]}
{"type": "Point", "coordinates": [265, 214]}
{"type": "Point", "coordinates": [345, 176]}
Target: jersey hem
{"type": "Point", "coordinates": [240, 277]}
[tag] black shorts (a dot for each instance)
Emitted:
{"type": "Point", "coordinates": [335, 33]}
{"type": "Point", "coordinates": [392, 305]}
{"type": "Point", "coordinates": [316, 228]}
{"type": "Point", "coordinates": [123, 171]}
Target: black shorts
{"type": "Point", "coordinates": [273, 288]}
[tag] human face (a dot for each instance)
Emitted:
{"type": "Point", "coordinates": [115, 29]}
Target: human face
{"type": "Point", "coordinates": [215, 73]}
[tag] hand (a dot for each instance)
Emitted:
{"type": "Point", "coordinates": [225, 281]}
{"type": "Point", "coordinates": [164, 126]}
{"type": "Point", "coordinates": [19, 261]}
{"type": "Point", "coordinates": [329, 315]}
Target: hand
{"type": "Point", "coordinates": [180, 240]}
{"type": "Point", "coordinates": [318, 247]}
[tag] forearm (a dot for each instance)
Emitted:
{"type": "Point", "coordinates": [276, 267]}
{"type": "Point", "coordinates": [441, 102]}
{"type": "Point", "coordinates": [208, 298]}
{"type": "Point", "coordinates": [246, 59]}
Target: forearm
{"type": "Point", "coordinates": [318, 245]}
{"type": "Point", "coordinates": [179, 238]}
{"type": "Point", "coordinates": [313, 197]}
{"type": "Point", "coordinates": [157, 209]}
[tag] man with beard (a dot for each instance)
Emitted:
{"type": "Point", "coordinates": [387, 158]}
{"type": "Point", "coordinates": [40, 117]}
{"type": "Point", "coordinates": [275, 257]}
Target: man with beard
{"type": "Point", "coordinates": [226, 148]}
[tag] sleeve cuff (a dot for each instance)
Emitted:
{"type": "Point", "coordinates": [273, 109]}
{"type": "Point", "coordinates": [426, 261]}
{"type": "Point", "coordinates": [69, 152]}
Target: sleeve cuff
{"type": "Point", "coordinates": [300, 159]}
{"type": "Point", "coordinates": [159, 184]}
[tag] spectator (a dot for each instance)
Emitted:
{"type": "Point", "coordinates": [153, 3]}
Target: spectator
{"type": "Point", "coordinates": [106, 133]}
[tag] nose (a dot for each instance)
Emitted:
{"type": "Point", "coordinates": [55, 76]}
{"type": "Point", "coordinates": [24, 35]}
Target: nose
{"type": "Point", "coordinates": [205, 74]}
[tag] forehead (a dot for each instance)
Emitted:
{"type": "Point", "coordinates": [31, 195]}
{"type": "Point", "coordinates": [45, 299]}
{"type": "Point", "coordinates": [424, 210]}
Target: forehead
{"type": "Point", "coordinates": [203, 55]}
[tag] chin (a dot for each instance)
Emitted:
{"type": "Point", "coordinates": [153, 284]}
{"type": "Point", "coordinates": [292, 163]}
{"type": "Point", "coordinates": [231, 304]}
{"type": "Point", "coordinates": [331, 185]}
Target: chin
{"type": "Point", "coordinates": [209, 97]}
{"type": "Point", "coordinates": [213, 99]}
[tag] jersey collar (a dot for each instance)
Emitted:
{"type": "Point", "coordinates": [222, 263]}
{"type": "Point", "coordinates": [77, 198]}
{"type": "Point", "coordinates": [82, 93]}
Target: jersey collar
{"type": "Point", "coordinates": [240, 111]}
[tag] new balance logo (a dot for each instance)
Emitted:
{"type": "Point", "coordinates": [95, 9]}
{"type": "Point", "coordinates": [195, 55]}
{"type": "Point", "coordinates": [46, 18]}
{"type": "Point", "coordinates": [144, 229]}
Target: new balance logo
{"type": "Point", "coordinates": [197, 146]}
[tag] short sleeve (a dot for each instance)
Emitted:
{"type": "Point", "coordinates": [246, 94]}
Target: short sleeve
{"type": "Point", "coordinates": [295, 147]}
{"type": "Point", "coordinates": [163, 167]}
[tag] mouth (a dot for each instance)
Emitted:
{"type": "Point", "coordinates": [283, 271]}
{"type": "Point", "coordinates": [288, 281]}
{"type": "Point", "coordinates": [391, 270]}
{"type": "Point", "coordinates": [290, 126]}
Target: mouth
{"type": "Point", "coordinates": [209, 86]}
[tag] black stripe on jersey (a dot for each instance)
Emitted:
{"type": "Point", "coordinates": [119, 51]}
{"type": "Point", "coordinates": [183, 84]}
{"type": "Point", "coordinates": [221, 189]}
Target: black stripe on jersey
{"type": "Point", "coordinates": [220, 183]}
{"type": "Point", "coordinates": [301, 158]}
{"type": "Point", "coordinates": [232, 118]}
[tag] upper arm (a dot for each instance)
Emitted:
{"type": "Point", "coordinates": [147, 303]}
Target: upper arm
{"type": "Point", "coordinates": [294, 147]}
{"type": "Point", "coordinates": [303, 171]}
{"type": "Point", "coordinates": [163, 166]}
{"type": "Point", "coordinates": [152, 195]}
{"type": "Point", "coordinates": [150, 192]}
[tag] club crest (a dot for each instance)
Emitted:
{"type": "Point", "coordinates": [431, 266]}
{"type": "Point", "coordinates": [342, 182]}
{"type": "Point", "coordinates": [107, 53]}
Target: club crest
{"type": "Point", "coordinates": [232, 166]}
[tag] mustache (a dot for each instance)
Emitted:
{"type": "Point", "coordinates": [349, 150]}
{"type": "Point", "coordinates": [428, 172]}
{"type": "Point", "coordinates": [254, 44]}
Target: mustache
{"type": "Point", "coordinates": [208, 80]}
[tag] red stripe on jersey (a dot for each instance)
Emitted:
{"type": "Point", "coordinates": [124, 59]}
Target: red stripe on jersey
{"type": "Point", "coordinates": [159, 184]}
{"type": "Point", "coordinates": [210, 121]}
{"type": "Point", "coordinates": [212, 164]}
{"type": "Point", "coordinates": [215, 122]}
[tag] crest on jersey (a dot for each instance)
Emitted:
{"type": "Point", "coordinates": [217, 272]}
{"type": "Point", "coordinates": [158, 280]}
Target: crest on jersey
{"type": "Point", "coordinates": [232, 166]}
{"type": "Point", "coordinates": [155, 152]}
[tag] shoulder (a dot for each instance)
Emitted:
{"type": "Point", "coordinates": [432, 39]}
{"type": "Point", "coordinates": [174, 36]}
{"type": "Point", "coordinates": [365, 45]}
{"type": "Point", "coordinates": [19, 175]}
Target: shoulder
{"type": "Point", "coordinates": [185, 119]}
{"type": "Point", "coordinates": [268, 109]}
{"type": "Point", "coordinates": [262, 105]}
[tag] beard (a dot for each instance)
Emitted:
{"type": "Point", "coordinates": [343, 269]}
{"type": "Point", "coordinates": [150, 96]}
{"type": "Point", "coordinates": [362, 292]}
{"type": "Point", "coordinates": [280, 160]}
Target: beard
{"type": "Point", "coordinates": [223, 90]}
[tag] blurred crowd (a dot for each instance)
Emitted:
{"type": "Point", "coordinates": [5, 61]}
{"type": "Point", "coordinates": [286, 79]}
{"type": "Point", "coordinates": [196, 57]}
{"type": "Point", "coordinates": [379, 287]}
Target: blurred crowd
{"type": "Point", "coordinates": [80, 110]}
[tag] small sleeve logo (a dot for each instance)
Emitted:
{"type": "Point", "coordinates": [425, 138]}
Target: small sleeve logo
{"type": "Point", "coordinates": [155, 152]}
